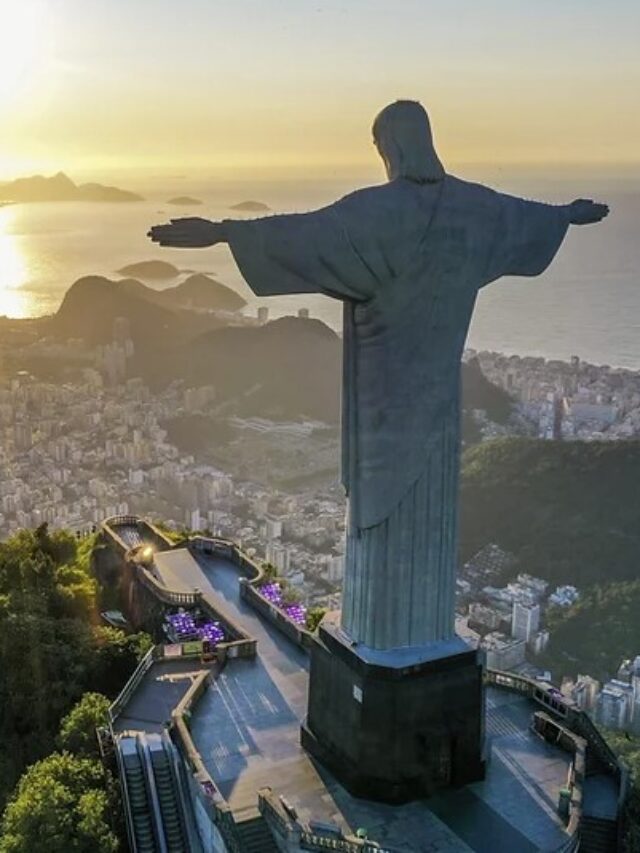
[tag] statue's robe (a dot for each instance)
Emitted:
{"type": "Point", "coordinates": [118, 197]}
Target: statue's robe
{"type": "Point", "coordinates": [407, 260]}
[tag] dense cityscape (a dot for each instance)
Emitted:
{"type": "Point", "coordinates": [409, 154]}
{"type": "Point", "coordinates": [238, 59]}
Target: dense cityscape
{"type": "Point", "coordinates": [95, 444]}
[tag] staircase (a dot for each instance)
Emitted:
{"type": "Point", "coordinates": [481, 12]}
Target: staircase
{"type": "Point", "coordinates": [255, 836]}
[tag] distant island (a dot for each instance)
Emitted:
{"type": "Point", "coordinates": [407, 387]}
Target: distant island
{"type": "Point", "coordinates": [60, 188]}
{"type": "Point", "coordinates": [185, 200]}
{"type": "Point", "coordinates": [150, 270]}
{"type": "Point", "coordinates": [253, 206]}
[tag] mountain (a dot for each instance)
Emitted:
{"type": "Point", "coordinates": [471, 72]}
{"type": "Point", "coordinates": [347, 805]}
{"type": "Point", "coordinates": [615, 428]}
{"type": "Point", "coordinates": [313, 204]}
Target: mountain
{"type": "Point", "coordinates": [92, 304]}
{"type": "Point", "coordinates": [201, 291]}
{"type": "Point", "coordinates": [251, 206]}
{"type": "Point", "coordinates": [288, 368]}
{"type": "Point", "coordinates": [569, 511]}
{"type": "Point", "coordinates": [479, 393]}
{"type": "Point", "coordinates": [60, 188]}
{"type": "Point", "coordinates": [285, 369]}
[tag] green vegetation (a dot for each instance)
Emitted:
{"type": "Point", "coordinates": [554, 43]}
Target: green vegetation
{"type": "Point", "coordinates": [198, 433]}
{"type": "Point", "coordinates": [479, 393]}
{"type": "Point", "coordinates": [51, 653]}
{"type": "Point", "coordinates": [628, 748]}
{"type": "Point", "coordinates": [78, 728]}
{"type": "Point", "coordinates": [596, 633]}
{"type": "Point", "coordinates": [314, 618]}
{"type": "Point", "coordinates": [61, 805]}
{"type": "Point", "coordinates": [569, 511]}
{"type": "Point", "coordinates": [290, 594]}
{"type": "Point", "coordinates": [176, 537]}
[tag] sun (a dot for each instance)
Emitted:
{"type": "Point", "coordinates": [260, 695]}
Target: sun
{"type": "Point", "coordinates": [21, 43]}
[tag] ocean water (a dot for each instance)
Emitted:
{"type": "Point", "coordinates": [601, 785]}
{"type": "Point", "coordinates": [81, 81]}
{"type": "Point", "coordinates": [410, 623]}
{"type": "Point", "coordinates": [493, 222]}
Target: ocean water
{"type": "Point", "coordinates": [587, 303]}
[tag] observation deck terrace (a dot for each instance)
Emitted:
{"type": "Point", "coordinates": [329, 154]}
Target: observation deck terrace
{"type": "Point", "coordinates": [245, 731]}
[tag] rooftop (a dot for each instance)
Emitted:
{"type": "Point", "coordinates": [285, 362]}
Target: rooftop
{"type": "Point", "coordinates": [246, 728]}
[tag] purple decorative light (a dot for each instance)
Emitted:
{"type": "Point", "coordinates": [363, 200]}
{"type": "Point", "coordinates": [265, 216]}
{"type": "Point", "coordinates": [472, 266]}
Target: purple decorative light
{"type": "Point", "coordinates": [297, 613]}
{"type": "Point", "coordinates": [212, 631]}
{"type": "Point", "coordinates": [183, 624]}
{"type": "Point", "coordinates": [272, 592]}
{"type": "Point", "coordinates": [185, 627]}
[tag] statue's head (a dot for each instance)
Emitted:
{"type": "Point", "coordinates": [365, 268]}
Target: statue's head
{"type": "Point", "coordinates": [402, 135]}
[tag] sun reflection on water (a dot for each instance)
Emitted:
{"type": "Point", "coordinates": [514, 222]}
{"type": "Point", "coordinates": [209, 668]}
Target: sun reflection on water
{"type": "Point", "coordinates": [14, 298]}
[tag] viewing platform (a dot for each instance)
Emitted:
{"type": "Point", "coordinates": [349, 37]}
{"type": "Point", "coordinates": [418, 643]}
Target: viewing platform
{"type": "Point", "coordinates": [236, 725]}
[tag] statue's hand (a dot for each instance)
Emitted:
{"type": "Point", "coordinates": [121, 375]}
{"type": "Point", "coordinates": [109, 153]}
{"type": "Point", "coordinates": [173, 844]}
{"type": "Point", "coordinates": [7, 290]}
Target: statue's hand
{"type": "Point", "coordinates": [584, 211]}
{"type": "Point", "coordinates": [189, 233]}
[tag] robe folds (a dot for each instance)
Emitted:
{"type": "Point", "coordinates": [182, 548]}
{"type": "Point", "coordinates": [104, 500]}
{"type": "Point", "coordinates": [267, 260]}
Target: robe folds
{"type": "Point", "coordinates": [407, 261]}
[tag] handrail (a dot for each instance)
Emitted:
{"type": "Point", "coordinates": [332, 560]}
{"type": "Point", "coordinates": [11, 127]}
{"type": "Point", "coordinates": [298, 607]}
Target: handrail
{"type": "Point", "coordinates": [576, 719]}
{"type": "Point", "coordinates": [142, 747]}
{"type": "Point", "coordinates": [132, 684]}
{"type": "Point", "coordinates": [296, 835]}
{"type": "Point", "coordinates": [128, 816]}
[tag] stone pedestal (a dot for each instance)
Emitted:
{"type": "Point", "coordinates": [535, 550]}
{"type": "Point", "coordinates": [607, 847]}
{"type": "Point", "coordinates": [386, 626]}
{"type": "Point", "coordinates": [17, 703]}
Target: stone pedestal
{"type": "Point", "coordinates": [395, 726]}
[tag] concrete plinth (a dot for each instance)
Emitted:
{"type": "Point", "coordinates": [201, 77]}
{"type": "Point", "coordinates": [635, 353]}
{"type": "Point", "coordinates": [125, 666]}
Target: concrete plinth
{"type": "Point", "coordinates": [395, 726]}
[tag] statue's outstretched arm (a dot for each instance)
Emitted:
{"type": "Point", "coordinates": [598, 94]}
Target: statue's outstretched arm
{"type": "Point", "coordinates": [585, 211]}
{"type": "Point", "coordinates": [189, 233]}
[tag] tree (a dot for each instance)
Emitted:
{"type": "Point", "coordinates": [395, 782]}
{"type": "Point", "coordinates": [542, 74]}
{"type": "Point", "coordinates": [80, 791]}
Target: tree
{"type": "Point", "coordinates": [78, 728]}
{"type": "Point", "coordinates": [596, 633]}
{"type": "Point", "coordinates": [567, 510]}
{"type": "Point", "coordinates": [118, 654]}
{"type": "Point", "coordinates": [49, 652]}
{"type": "Point", "coordinates": [60, 805]}
{"type": "Point", "coordinates": [628, 749]}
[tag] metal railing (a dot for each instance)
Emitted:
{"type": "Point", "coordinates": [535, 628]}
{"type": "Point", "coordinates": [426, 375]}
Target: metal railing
{"type": "Point", "coordinates": [575, 719]}
{"type": "Point", "coordinates": [132, 684]}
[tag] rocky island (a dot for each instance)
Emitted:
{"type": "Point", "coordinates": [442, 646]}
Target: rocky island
{"type": "Point", "coordinates": [150, 270]}
{"type": "Point", "coordinates": [60, 188]}
{"type": "Point", "coordinates": [251, 207]}
{"type": "Point", "coordinates": [185, 200]}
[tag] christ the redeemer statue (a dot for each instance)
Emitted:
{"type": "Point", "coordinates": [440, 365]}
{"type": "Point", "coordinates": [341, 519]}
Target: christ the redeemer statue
{"type": "Point", "coordinates": [407, 260]}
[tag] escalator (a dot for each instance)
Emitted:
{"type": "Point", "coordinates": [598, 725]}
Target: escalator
{"type": "Point", "coordinates": [167, 790]}
{"type": "Point", "coordinates": [136, 798]}
{"type": "Point", "coordinates": [153, 799]}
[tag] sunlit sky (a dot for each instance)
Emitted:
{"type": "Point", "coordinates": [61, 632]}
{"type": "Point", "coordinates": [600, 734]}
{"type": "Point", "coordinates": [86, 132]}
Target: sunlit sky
{"type": "Point", "coordinates": [265, 86]}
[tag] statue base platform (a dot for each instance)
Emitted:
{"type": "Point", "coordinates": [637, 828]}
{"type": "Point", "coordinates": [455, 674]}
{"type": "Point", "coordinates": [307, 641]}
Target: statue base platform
{"type": "Point", "coordinates": [398, 725]}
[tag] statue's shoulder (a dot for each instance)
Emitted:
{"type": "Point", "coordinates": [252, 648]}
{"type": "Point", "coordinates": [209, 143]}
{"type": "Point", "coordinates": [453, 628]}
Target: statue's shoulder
{"type": "Point", "coordinates": [372, 194]}
{"type": "Point", "coordinates": [471, 189]}
{"type": "Point", "coordinates": [469, 196]}
{"type": "Point", "coordinates": [387, 197]}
